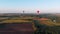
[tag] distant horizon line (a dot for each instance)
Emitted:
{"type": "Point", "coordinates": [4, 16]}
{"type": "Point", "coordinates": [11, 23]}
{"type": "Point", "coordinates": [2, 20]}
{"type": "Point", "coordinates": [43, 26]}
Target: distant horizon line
{"type": "Point", "coordinates": [29, 13]}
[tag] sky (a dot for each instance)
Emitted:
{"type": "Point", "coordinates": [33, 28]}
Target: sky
{"type": "Point", "coordinates": [29, 6]}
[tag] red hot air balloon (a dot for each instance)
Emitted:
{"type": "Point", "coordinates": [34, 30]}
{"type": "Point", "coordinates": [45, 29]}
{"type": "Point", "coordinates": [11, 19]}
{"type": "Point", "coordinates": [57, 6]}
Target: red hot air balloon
{"type": "Point", "coordinates": [38, 12]}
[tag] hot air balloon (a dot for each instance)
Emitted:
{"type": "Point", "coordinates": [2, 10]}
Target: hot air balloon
{"type": "Point", "coordinates": [38, 12]}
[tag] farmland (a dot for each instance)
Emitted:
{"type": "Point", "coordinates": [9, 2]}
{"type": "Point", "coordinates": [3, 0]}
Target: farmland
{"type": "Point", "coordinates": [24, 23]}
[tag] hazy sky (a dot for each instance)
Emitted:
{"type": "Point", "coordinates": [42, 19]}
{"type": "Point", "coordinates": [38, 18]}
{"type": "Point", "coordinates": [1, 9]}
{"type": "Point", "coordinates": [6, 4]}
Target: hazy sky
{"type": "Point", "coordinates": [30, 6]}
